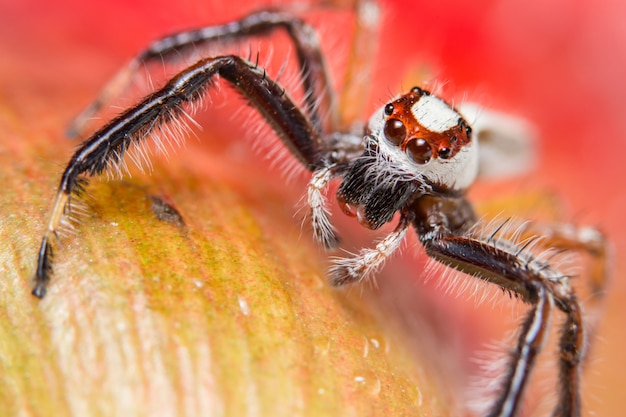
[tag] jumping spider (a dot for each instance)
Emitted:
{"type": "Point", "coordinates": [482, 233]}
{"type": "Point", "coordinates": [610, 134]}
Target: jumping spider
{"type": "Point", "coordinates": [415, 158]}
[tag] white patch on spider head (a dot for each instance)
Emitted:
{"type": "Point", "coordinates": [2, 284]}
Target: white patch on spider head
{"type": "Point", "coordinates": [435, 114]}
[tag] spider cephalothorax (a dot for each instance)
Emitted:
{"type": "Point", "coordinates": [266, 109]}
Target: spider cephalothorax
{"type": "Point", "coordinates": [414, 161]}
{"type": "Point", "coordinates": [415, 145]}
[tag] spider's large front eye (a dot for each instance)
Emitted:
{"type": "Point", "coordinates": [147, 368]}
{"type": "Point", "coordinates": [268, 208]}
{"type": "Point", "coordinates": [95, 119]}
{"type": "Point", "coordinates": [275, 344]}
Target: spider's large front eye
{"type": "Point", "coordinates": [419, 150]}
{"type": "Point", "coordinates": [395, 131]}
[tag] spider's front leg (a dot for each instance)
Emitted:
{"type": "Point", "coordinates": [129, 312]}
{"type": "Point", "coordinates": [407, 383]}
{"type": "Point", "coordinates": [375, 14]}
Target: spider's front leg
{"type": "Point", "coordinates": [517, 271]}
{"type": "Point", "coordinates": [162, 112]}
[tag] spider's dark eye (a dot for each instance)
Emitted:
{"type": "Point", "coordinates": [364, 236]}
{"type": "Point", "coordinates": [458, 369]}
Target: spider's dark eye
{"type": "Point", "coordinates": [395, 131]}
{"type": "Point", "coordinates": [468, 131]}
{"type": "Point", "coordinates": [419, 150]}
{"type": "Point", "coordinates": [420, 91]}
{"type": "Point", "coordinates": [389, 109]}
{"type": "Point", "coordinates": [444, 153]}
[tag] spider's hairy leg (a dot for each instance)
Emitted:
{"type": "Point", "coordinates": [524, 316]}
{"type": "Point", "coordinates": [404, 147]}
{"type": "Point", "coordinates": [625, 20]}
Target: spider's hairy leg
{"type": "Point", "coordinates": [367, 261]}
{"type": "Point", "coordinates": [585, 239]}
{"type": "Point", "coordinates": [318, 93]}
{"type": "Point", "coordinates": [107, 146]}
{"type": "Point", "coordinates": [532, 337]}
{"type": "Point", "coordinates": [568, 238]}
{"type": "Point", "coordinates": [571, 358]}
{"type": "Point", "coordinates": [342, 149]}
{"type": "Point", "coordinates": [323, 230]}
{"type": "Point", "coordinates": [535, 283]}
{"type": "Point", "coordinates": [46, 250]}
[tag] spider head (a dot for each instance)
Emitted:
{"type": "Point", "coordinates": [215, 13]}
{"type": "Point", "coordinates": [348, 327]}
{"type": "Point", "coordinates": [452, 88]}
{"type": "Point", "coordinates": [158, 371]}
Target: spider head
{"type": "Point", "coordinates": [416, 145]}
{"type": "Point", "coordinates": [422, 135]}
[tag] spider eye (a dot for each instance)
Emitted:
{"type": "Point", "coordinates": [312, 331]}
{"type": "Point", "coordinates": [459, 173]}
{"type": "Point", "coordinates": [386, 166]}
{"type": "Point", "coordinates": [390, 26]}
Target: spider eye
{"type": "Point", "coordinates": [395, 131]}
{"type": "Point", "coordinates": [420, 91]}
{"type": "Point", "coordinates": [468, 131]}
{"type": "Point", "coordinates": [419, 150]}
{"type": "Point", "coordinates": [444, 153]}
{"type": "Point", "coordinates": [389, 109]}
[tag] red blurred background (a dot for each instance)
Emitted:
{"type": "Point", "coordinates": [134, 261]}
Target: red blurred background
{"type": "Point", "coordinates": [559, 63]}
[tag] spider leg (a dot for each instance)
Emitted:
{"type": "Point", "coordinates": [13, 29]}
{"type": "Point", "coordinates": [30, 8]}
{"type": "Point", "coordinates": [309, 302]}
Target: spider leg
{"type": "Point", "coordinates": [349, 270]}
{"type": "Point", "coordinates": [318, 95]}
{"type": "Point", "coordinates": [532, 337]}
{"type": "Point", "coordinates": [539, 285]}
{"type": "Point", "coordinates": [571, 359]}
{"type": "Point", "coordinates": [106, 147]}
{"type": "Point", "coordinates": [360, 62]}
{"type": "Point", "coordinates": [343, 148]}
{"type": "Point", "coordinates": [568, 237]}
{"type": "Point", "coordinates": [323, 230]}
{"type": "Point", "coordinates": [586, 240]}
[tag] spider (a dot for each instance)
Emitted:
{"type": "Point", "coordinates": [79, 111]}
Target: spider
{"type": "Point", "coordinates": [413, 161]}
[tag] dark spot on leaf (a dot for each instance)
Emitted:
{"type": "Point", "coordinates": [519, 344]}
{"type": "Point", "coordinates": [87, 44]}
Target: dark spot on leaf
{"type": "Point", "coordinates": [165, 211]}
